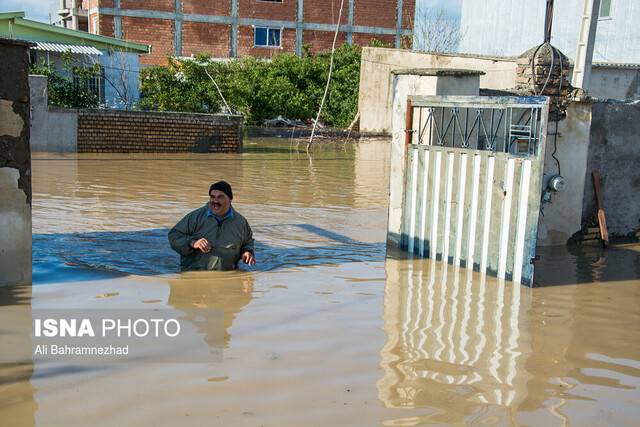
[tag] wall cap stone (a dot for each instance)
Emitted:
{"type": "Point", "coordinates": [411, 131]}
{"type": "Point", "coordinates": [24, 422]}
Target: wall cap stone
{"type": "Point", "coordinates": [159, 113]}
{"type": "Point", "coordinates": [440, 72]}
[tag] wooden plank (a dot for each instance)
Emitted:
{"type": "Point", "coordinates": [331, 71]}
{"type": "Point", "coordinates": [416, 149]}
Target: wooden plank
{"type": "Point", "coordinates": [602, 221]}
{"type": "Point", "coordinates": [408, 130]}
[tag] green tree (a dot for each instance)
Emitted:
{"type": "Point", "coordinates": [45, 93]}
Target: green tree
{"type": "Point", "coordinates": [64, 91]}
{"type": "Point", "coordinates": [260, 89]}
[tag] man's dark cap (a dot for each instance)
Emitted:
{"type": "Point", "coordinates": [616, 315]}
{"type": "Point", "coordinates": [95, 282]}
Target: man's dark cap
{"type": "Point", "coordinates": [222, 186]}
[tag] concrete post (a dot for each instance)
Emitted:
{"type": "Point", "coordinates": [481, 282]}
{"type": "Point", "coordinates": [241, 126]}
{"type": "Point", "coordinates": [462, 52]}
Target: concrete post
{"type": "Point", "coordinates": [15, 164]}
{"type": "Point", "coordinates": [586, 42]}
{"type": "Point", "coordinates": [178, 28]}
{"type": "Point", "coordinates": [350, 22]}
{"type": "Point", "coordinates": [117, 21]}
{"type": "Point", "coordinates": [399, 24]}
{"type": "Point", "coordinates": [417, 82]}
{"type": "Point", "coordinates": [299, 22]}
{"type": "Point", "coordinates": [233, 37]}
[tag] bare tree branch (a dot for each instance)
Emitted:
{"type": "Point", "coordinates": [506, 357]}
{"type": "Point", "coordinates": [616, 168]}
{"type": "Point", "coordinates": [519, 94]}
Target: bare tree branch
{"type": "Point", "coordinates": [121, 69]}
{"type": "Point", "coordinates": [436, 31]}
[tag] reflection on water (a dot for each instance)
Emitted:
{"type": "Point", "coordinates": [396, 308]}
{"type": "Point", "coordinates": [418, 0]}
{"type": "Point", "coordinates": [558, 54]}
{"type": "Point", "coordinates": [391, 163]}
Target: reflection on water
{"type": "Point", "coordinates": [587, 264]}
{"type": "Point", "coordinates": [325, 331]}
{"type": "Point", "coordinates": [454, 340]}
{"type": "Point", "coordinates": [228, 292]}
{"type": "Point", "coordinates": [478, 349]}
{"type": "Point", "coordinates": [16, 368]}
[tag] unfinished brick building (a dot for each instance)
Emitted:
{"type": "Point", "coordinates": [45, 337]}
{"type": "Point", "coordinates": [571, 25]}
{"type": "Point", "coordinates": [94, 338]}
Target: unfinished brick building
{"type": "Point", "coordinates": [231, 28]}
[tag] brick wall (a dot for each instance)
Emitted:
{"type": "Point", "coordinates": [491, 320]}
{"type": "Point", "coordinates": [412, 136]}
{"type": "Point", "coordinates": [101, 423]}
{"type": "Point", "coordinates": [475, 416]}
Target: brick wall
{"type": "Point", "coordinates": [198, 37]}
{"type": "Point", "coordinates": [211, 7]}
{"type": "Point", "coordinates": [156, 32]}
{"type": "Point", "coordinates": [366, 39]}
{"type": "Point", "coordinates": [375, 13]}
{"type": "Point", "coordinates": [160, 5]}
{"type": "Point", "coordinates": [105, 23]}
{"type": "Point", "coordinates": [111, 131]}
{"type": "Point", "coordinates": [321, 41]}
{"type": "Point", "coordinates": [201, 37]}
{"type": "Point", "coordinates": [285, 11]}
{"type": "Point", "coordinates": [408, 9]}
{"type": "Point", "coordinates": [325, 11]}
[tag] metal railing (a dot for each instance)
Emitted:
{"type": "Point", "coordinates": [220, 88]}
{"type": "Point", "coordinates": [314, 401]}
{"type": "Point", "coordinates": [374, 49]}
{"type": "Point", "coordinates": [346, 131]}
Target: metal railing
{"type": "Point", "coordinates": [499, 124]}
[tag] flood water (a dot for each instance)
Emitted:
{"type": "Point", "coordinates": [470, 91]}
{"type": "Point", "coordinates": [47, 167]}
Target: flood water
{"type": "Point", "coordinates": [325, 330]}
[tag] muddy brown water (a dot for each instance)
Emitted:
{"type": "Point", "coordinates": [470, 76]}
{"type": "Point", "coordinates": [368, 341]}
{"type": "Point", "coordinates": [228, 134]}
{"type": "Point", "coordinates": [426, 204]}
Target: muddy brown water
{"type": "Point", "coordinates": [325, 330]}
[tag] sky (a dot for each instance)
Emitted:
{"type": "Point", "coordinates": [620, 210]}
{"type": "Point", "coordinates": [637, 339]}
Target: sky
{"type": "Point", "coordinates": [38, 10]}
{"type": "Point", "coordinates": [451, 7]}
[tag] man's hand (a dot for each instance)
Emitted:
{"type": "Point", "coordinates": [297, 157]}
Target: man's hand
{"type": "Point", "coordinates": [201, 244]}
{"type": "Point", "coordinates": [248, 258]}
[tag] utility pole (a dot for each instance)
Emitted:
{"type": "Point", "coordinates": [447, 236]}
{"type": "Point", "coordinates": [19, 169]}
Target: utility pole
{"type": "Point", "coordinates": [548, 21]}
{"type": "Point", "coordinates": [586, 42]}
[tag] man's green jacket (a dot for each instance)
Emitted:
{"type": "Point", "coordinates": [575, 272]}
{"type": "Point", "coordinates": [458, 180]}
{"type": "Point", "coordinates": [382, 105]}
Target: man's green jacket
{"type": "Point", "coordinates": [229, 239]}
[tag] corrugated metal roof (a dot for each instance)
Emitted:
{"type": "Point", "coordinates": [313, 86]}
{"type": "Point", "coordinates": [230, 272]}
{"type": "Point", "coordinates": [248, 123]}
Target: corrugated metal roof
{"type": "Point", "coordinates": [59, 47]}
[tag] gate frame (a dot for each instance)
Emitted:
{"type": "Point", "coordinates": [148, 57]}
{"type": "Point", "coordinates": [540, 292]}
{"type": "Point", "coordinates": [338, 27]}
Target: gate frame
{"type": "Point", "coordinates": [540, 103]}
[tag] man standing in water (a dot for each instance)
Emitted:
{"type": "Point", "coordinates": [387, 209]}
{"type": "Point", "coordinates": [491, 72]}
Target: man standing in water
{"type": "Point", "coordinates": [215, 236]}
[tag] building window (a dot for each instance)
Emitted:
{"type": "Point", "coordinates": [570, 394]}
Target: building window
{"type": "Point", "coordinates": [266, 37]}
{"type": "Point", "coordinates": [271, 1]}
{"type": "Point", "coordinates": [94, 84]}
{"type": "Point", "coordinates": [605, 9]}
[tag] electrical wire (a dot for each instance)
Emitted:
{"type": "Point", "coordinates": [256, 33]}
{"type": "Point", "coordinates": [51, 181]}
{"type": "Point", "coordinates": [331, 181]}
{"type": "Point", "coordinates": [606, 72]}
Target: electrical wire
{"type": "Point", "coordinates": [553, 52]}
{"type": "Point", "coordinates": [546, 82]}
{"type": "Point", "coordinates": [555, 136]}
{"type": "Point", "coordinates": [533, 70]}
{"type": "Point", "coordinates": [326, 89]}
{"type": "Point", "coordinates": [219, 91]}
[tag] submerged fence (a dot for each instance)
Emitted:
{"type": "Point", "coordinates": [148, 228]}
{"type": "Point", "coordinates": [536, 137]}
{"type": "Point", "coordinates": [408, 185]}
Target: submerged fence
{"type": "Point", "coordinates": [473, 181]}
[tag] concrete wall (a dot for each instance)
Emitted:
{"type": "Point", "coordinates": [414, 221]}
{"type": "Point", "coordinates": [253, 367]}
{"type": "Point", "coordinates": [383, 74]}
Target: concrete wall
{"type": "Point", "coordinates": [607, 82]}
{"type": "Point", "coordinates": [601, 136]}
{"type": "Point", "coordinates": [39, 112]}
{"type": "Point", "coordinates": [614, 151]}
{"type": "Point", "coordinates": [562, 214]}
{"type": "Point", "coordinates": [403, 86]}
{"type": "Point", "coordinates": [510, 27]}
{"type": "Point", "coordinates": [62, 130]}
{"type": "Point", "coordinates": [375, 98]}
{"type": "Point", "coordinates": [15, 164]}
{"type": "Point", "coordinates": [53, 129]}
{"type": "Point", "coordinates": [615, 82]}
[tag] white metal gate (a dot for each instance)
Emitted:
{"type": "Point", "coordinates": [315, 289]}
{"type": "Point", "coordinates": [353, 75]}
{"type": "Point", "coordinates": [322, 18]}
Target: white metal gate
{"type": "Point", "coordinates": [473, 181]}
